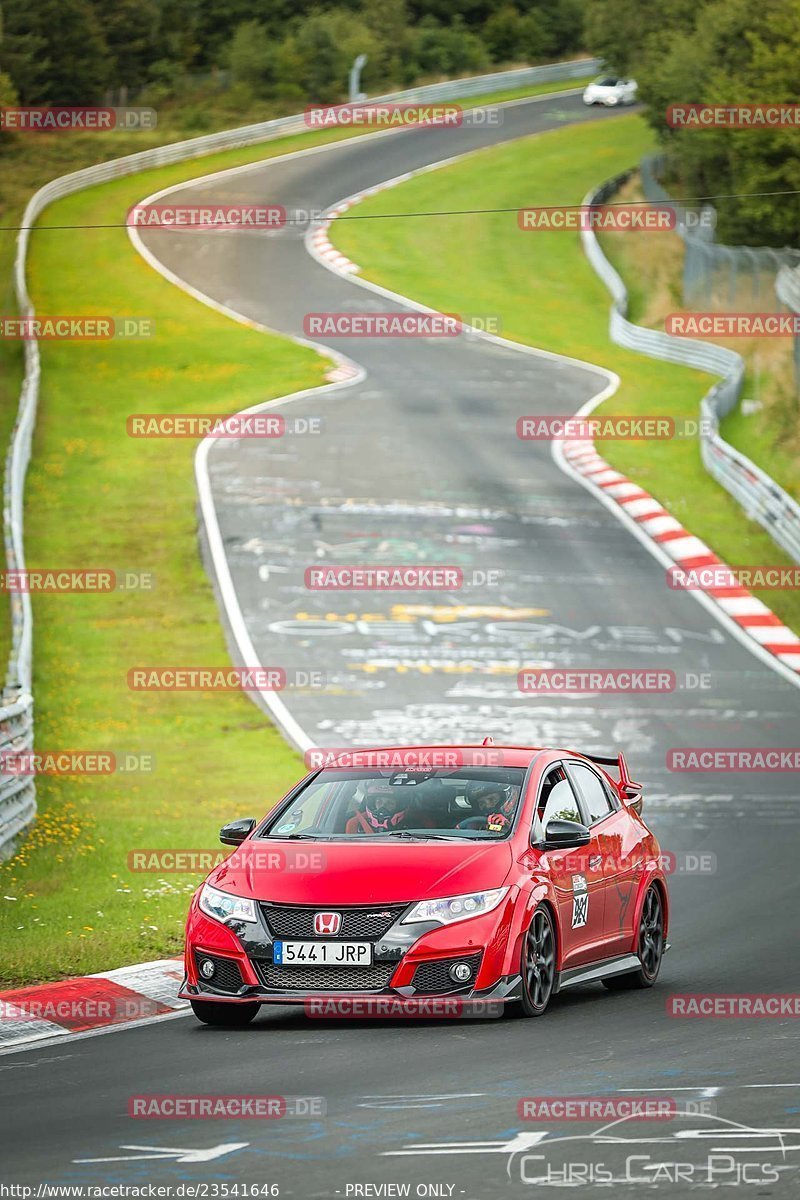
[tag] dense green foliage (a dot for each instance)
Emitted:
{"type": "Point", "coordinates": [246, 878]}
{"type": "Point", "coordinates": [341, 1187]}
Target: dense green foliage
{"type": "Point", "coordinates": [73, 51]}
{"type": "Point", "coordinates": [716, 52]}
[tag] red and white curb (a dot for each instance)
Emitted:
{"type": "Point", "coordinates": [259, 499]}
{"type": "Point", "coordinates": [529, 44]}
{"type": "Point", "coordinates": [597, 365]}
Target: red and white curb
{"type": "Point", "coordinates": [755, 625]}
{"type": "Point", "coordinates": [128, 995]}
{"type": "Point", "coordinates": [319, 242]}
{"type": "Point", "coordinates": [688, 552]}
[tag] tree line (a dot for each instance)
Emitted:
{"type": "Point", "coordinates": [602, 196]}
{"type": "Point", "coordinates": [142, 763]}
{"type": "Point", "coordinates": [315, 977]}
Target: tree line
{"type": "Point", "coordinates": [293, 52]}
{"type": "Point", "coordinates": [717, 52]}
{"type": "Point", "coordinates": [65, 52]}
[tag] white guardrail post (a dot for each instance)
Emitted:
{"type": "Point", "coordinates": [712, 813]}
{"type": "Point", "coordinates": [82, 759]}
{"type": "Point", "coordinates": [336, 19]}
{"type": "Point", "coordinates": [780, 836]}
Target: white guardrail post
{"type": "Point", "coordinates": [762, 499]}
{"type": "Point", "coordinates": [17, 792]}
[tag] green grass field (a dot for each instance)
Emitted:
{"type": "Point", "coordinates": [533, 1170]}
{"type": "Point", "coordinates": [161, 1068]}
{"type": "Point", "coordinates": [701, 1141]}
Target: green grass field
{"type": "Point", "coordinates": [26, 164]}
{"type": "Point", "coordinates": [68, 903]}
{"type": "Point", "coordinates": [97, 497]}
{"type": "Point", "coordinates": [541, 287]}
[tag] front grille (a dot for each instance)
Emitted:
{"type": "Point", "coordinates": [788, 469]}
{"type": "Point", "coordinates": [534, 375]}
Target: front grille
{"type": "Point", "coordinates": [226, 978]}
{"type": "Point", "coordinates": [432, 977]}
{"type": "Point", "coordinates": [358, 924]}
{"type": "Point", "coordinates": [326, 979]}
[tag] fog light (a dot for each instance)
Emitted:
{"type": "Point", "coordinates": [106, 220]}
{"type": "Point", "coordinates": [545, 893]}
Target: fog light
{"type": "Point", "coordinates": [207, 968]}
{"type": "Point", "coordinates": [460, 972]}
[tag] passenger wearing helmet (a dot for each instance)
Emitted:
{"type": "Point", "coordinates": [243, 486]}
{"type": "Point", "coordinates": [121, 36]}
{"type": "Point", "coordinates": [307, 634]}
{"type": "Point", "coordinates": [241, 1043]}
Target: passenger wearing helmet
{"type": "Point", "coordinates": [382, 808]}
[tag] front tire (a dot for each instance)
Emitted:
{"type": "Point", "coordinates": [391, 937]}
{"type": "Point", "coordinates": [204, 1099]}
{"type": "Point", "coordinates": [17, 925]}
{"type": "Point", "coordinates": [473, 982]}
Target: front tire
{"type": "Point", "coordinates": [650, 947]}
{"type": "Point", "coordinates": [230, 1016]}
{"type": "Point", "coordinates": [538, 965]}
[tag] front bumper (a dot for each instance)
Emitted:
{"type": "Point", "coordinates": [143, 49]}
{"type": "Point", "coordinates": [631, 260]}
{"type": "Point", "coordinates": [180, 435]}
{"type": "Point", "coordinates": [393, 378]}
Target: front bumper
{"type": "Point", "coordinates": [505, 991]}
{"type": "Point", "coordinates": [409, 961]}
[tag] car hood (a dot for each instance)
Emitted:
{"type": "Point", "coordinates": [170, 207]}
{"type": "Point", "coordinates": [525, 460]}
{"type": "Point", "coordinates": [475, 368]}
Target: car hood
{"type": "Point", "coordinates": [299, 872]}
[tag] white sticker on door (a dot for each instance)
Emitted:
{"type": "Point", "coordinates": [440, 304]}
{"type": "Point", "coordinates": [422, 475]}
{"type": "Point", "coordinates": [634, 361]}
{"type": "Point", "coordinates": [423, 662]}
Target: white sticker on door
{"type": "Point", "coordinates": [580, 901]}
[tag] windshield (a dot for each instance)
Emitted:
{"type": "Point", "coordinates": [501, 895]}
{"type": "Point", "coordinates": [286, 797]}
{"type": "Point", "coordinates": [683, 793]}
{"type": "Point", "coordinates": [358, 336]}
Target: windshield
{"type": "Point", "coordinates": [476, 803]}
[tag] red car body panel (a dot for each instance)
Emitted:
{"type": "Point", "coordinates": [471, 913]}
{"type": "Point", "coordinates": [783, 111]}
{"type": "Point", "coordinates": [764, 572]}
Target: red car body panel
{"type": "Point", "coordinates": [620, 862]}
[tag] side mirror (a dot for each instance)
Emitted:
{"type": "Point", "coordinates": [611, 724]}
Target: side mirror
{"type": "Point", "coordinates": [234, 833]}
{"type": "Point", "coordinates": [561, 834]}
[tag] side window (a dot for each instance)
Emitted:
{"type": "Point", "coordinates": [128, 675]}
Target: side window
{"type": "Point", "coordinates": [556, 801]}
{"type": "Point", "coordinates": [592, 792]}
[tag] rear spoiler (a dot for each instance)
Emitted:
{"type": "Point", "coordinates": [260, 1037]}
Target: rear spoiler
{"type": "Point", "coordinates": [630, 790]}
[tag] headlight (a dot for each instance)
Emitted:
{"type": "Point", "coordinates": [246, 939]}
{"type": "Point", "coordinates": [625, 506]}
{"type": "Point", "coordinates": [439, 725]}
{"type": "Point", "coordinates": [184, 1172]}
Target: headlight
{"type": "Point", "coordinates": [456, 908]}
{"type": "Point", "coordinates": [222, 906]}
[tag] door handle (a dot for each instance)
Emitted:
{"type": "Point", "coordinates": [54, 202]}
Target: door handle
{"type": "Point", "coordinates": [595, 862]}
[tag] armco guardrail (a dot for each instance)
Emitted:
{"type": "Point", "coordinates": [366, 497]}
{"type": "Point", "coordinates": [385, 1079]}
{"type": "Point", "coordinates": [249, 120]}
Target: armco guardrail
{"type": "Point", "coordinates": [17, 793]}
{"type": "Point", "coordinates": [759, 495]}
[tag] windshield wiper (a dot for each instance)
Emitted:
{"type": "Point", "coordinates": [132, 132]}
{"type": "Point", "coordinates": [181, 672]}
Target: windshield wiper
{"type": "Point", "coordinates": [293, 837]}
{"type": "Point", "coordinates": [422, 836]}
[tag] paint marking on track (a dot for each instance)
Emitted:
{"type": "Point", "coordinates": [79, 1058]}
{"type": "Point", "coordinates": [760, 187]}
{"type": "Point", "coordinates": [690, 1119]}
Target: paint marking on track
{"type": "Point", "coordinates": [162, 1152]}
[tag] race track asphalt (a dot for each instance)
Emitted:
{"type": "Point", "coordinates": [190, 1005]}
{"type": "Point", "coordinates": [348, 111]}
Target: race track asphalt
{"type": "Point", "coordinates": [419, 462]}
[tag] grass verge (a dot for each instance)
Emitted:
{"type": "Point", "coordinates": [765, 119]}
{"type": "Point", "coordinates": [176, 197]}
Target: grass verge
{"type": "Point", "coordinates": [541, 287]}
{"type": "Point", "coordinates": [96, 497]}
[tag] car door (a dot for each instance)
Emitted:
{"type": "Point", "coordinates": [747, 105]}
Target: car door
{"type": "Point", "coordinates": [611, 827]}
{"type": "Point", "coordinates": [576, 873]}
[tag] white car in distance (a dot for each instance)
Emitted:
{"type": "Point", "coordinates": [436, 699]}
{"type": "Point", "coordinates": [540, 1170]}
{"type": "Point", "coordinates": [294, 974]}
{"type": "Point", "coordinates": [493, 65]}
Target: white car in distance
{"type": "Point", "coordinates": [610, 90]}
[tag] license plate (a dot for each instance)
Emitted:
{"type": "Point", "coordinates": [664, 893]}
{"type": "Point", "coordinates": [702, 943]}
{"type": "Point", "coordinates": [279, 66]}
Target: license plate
{"type": "Point", "coordinates": [322, 954]}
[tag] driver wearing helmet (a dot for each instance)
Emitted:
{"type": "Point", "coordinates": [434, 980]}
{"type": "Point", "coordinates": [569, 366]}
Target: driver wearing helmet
{"type": "Point", "coordinates": [381, 809]}
{"type": "Point", "coordinates": [502, 816]}
{"type": "Point", "coordinates": [494, 805]}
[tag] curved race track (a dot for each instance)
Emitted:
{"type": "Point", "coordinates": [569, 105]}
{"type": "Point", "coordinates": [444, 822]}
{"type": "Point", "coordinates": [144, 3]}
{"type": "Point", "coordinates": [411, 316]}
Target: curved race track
{"type": "Point", "coordinates": [419, 462]}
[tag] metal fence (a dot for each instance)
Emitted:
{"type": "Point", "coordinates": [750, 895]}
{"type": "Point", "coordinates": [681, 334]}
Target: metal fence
{"type": "Point", "coordinates": [17, 793]}
{"type": "Point", "coordinates": [718, 278]}
{"type": "Point", "coordinates": [787, 289]}
{"type": "Point", "coordinates": [761, 497]}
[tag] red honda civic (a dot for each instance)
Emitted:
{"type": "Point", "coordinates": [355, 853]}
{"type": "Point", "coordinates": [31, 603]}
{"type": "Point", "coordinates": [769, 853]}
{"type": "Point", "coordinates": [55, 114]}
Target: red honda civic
{"type": "Point", "coordinates": [473, 874]}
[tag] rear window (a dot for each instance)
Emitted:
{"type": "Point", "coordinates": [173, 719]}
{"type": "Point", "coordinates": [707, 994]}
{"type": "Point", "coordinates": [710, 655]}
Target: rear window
{"type": "Point", "coordinates": [469, 802]}
{"type": "Point", "coordinates": [607, 81]}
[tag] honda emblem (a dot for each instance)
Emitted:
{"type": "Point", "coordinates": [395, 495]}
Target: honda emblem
{"type": "Point", "coordinates": [326, 924]}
